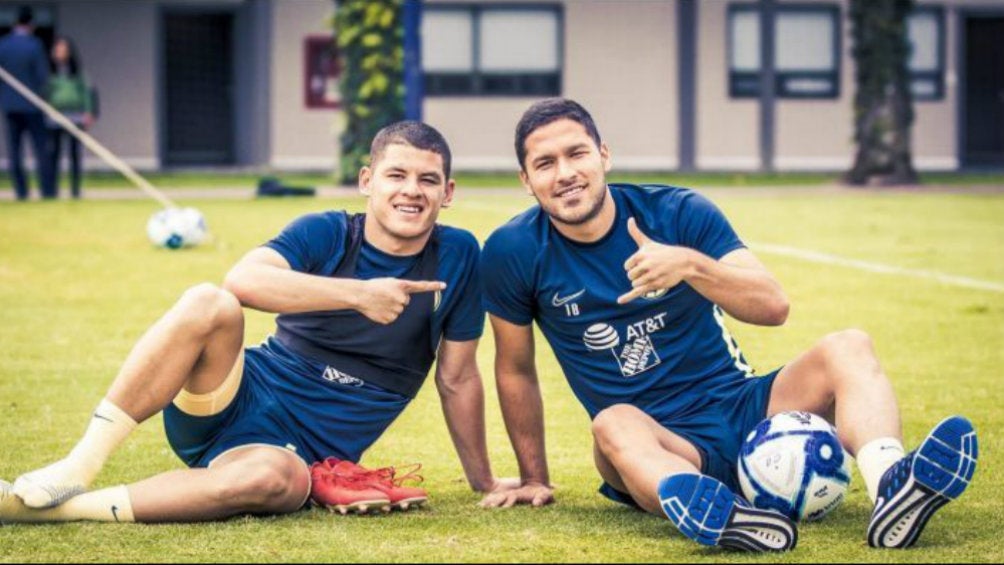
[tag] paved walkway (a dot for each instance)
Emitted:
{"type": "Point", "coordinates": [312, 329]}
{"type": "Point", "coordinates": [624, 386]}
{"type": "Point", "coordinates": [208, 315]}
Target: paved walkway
{"type": "Point", "coordinates": [331, 191]}
{"type": "Point", "coordinates": [186, 193]}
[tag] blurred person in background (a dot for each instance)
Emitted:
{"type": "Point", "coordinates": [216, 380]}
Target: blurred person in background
{"type": "Point", "coordinates": [23, 56]}
{"type": "Point", "coordinates": [68, 92]}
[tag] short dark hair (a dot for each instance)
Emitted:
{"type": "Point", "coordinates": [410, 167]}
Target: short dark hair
{"type": "Point", "coordinates": [416, 134]}
{"type": "Point", "coordinates": [548, 111]}
{"type": "Point", "coordinates": [24, 15]}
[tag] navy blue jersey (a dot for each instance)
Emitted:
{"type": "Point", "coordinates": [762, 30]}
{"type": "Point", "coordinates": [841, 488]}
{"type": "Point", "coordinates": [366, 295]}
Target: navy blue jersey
{"type": "Point", "coordinates": [668, 353]}
{"type": "Point", "coordinates": [399, 355]}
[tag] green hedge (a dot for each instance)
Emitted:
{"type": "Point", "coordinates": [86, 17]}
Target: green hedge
{"type": "Point", "coordinates": [370, 40]}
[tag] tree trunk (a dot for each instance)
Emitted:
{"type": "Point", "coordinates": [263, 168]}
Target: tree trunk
{"type": "Point", "coordinates": [883, 104]}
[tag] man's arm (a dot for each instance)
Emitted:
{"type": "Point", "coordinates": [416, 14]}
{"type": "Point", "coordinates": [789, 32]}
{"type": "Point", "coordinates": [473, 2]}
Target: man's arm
{"type": "Point", "coordinates": [458, 381]}
{"type": "Point", "coordinates": [738, 282]}
{"type": "Point", "coordinates": [263, 280]}
{"type": "Point", "coordinates": [523, 412]}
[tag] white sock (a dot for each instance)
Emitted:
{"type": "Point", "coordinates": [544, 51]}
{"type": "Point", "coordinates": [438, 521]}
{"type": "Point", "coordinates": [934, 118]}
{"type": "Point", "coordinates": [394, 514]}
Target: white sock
{"type": "Point", "coordinates": [875, 458]}
{"type": "Point", "coordinates": [106, 505]}
{"type": "Point", "coordinates": [71, 476]}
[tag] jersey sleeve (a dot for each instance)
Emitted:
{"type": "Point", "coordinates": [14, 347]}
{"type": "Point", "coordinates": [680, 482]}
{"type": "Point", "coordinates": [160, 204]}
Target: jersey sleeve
{"type": "Point", "coordinates": [309, 242]}
{"type": "Point", "coordinates": [702, 226]}
{"type": "Point", "coordinates": [505, 274]}
{"type": "Point", "coordinates": [466, 320]}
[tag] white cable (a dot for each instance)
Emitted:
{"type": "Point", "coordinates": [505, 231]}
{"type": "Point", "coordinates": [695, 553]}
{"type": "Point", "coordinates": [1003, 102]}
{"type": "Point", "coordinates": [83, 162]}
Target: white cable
{"type": "Point", "coordinates": [87, 140]}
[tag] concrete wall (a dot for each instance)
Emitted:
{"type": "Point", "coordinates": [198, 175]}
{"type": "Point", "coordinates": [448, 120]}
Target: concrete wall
{"type": "Point", "coordinates": [120, 56]}
{"type": "Point", "coordinates": [818, 134]}
{"type": "Point", "coordinates": [619, 60]}
{"type": "Point", "coordinates": [810, 134]}
{"type": "Point", "coordinates": [301, 138]}
{"type": "Point", "coordinates": [935, 130]}
{"type": "Point", "coordinates": [622, 69]}
{"type": "Point", "coordinates": [117, 44]}
{"type": "Point", "coordinates": [480, 130]}
{"type": "Point", "coordinates": [727, 128]}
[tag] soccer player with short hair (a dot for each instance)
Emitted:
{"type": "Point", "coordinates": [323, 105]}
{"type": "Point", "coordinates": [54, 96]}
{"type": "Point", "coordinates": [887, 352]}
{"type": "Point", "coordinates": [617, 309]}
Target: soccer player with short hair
{"type": "Point", "coordinates": [630, 285]}
{"type": "Point", "coordinates": [365, 302]}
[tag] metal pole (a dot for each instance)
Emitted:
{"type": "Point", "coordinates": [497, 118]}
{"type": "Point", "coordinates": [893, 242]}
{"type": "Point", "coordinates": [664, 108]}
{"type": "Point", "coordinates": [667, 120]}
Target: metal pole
{"type": "Point", "coordinates": [87, 140]}
{"type": "Point", "coordinates": [412, 21]}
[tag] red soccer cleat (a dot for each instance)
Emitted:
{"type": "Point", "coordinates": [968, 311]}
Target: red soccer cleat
{"type": "Point", "coordinates": [339, 487]}
{"type": "Point", "coordinates": [401, 496]}
{"type": "Point", "coordinates": [385, 480]}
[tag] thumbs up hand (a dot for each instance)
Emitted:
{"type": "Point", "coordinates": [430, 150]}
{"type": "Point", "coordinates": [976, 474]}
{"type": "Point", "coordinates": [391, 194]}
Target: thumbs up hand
{"type": "Point", "coordinates": [655, 266]}
{"type": "Point", "coordinates": [637, 235]}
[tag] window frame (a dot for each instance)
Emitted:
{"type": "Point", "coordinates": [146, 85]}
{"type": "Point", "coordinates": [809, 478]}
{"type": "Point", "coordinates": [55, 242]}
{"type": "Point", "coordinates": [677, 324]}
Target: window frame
{"type": "Point", "coordinates": [746, 84]}
{"type": "Point", "coordinates": [478, 83]}
{"type": "Point", "coordinates": [937, 77]}
{"type": "Point", "coordinates": [314, 46]}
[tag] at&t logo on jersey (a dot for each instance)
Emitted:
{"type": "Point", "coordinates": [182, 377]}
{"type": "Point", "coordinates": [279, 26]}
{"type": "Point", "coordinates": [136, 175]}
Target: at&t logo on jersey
{"type": "Point", "coordinates": [637, 354]}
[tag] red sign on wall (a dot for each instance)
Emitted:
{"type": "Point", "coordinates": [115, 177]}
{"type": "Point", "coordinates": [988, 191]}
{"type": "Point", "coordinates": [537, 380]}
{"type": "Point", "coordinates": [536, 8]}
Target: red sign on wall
{"type": "Point", "coordinates": [321, 70]}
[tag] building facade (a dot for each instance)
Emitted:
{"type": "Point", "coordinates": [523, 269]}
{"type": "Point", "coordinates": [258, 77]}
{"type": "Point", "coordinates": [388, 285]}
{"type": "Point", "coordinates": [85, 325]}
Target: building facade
{"type": "Point", "coordinates": [739, 85]}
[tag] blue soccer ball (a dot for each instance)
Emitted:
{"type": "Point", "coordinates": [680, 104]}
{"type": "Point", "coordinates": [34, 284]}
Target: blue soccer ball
{"type": "Point", "coordinates": [794, 463]}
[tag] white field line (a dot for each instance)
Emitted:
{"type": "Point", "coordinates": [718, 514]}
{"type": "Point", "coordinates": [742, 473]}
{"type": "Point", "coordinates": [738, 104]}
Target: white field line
{"type": "Point", "coordinates": [825, 258]}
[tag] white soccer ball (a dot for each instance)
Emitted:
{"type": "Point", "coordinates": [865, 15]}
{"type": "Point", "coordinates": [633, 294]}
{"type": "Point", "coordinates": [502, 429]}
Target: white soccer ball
{"type": "Point", "coordinates": [794, 463]}
{"type": "Point", "coordinates": [174, 228]}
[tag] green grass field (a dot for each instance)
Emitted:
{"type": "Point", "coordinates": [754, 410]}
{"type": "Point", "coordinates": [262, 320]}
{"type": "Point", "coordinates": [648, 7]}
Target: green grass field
{"type": "Point", "coordinates": [79, 283]}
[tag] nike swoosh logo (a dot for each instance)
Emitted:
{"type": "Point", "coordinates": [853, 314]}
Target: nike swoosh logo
{"type": "Point", "coordinates": [115, 512]}
{"type": "Point", "coordinates": [559, 302]}
{"type": "Point", "coordinates": [100, 417]}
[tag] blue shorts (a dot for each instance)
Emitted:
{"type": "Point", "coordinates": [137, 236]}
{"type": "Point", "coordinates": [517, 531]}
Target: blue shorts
{"type": "Point", "coordinates": [285, 400]}
{"type": "Point", "coordinates": [717, 431]}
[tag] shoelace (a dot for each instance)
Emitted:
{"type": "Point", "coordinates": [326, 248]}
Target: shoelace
{"type": "Point", "coordinates": [322, 472]}
{"type": "Point", "coordinates": [357, 474]}
{"type": "Point", "coordinates": [389, 474]}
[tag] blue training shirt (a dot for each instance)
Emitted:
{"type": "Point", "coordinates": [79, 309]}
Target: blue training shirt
{"type": "Point", "coordinates": [315, 244]}
{"type": "Point", "coordinates": [669, 354]}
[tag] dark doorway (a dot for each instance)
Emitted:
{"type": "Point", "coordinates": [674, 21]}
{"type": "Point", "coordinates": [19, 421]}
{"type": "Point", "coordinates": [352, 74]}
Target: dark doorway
{"type": "Point", "coordinates": [983, 95]}
{"type": "Point", "coordinates": [198, 60]}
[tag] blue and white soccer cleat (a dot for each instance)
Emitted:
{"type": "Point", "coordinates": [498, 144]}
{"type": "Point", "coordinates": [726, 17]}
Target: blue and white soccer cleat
{"type": "Point", "coordinates": [923, 481]}
{"type": "Point", "coordinates": [706, 511]}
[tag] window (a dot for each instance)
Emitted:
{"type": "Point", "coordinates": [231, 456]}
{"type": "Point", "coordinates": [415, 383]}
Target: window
{"type": "Point", "coordinates": [806, 51]}
{"type": "Point", "coordinates": [492, 50]}
{"type": "Point", "coordinates": [926, 30]}
{"type": "Point", "coordinates": [320, 72]}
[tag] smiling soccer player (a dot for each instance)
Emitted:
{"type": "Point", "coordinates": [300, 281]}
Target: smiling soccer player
{"type": "Point", "coordinates": [365, 304]}
{"type": "Point", "coordinates": [630, 284]}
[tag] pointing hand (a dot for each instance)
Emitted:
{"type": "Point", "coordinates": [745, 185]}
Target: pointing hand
{"type": "Point", "coordinates": [384, 299]}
